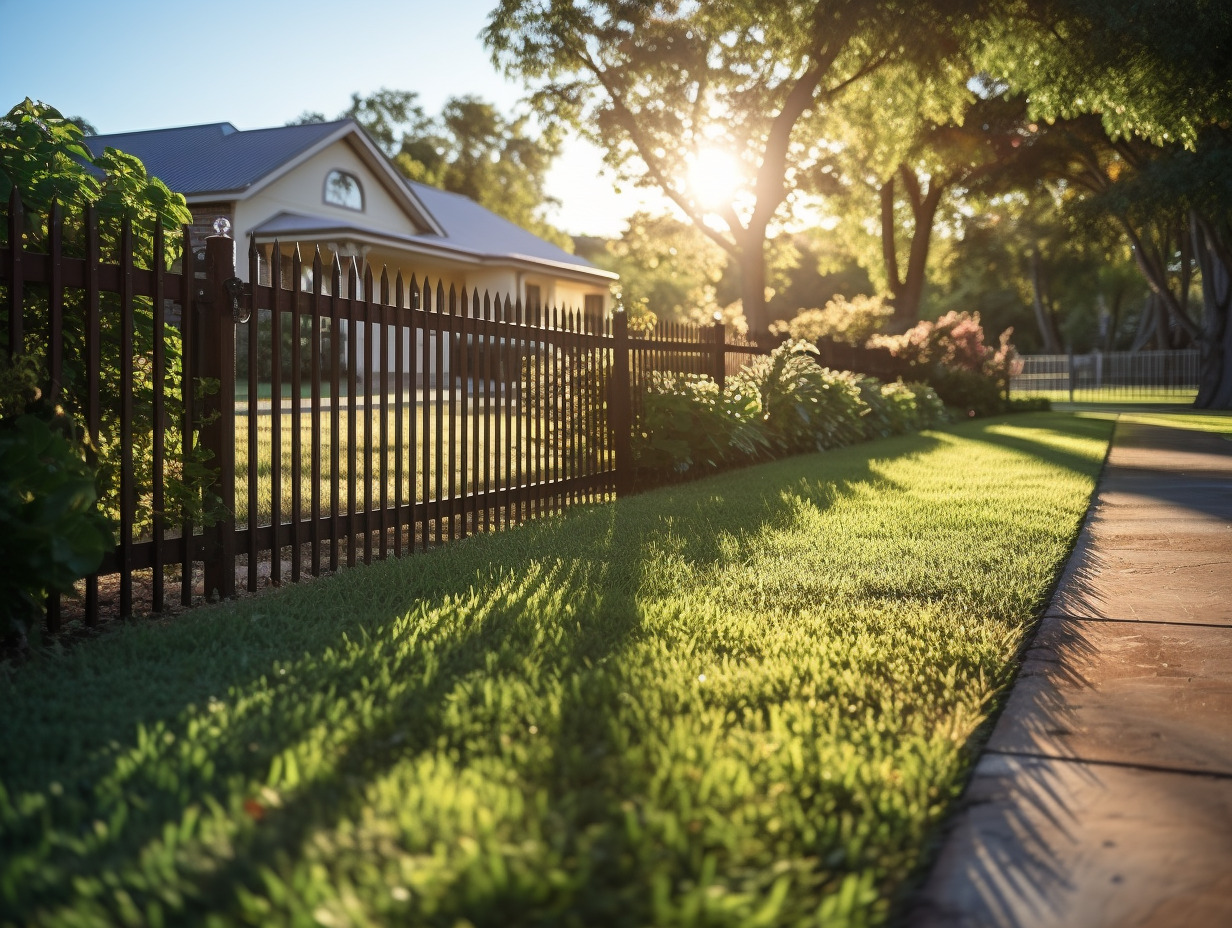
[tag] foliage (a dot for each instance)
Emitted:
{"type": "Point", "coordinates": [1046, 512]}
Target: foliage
{"type": "Point", "coordinates": [748, 700]}
{"type": "Point", "coordinates": [849, 322]}
{"type": "Point", "coordinates": [1028, 404]}
{"type": "Point", "coordinates": [42, 155]}
{"type": "Point", "coordinates": [658, 86]}
{"type": "Point", "coordinates": [53, 532]}
{"type": "Point", "coordinates": [951, 355]}
{"type": "Point", "coordinates": [688, 425]}
{"type": "Point", "coordinates": [567, 387]}
{"type": "Point", "coordinates": [955, 340]}
{"type": "Point", "coordinates": [973, 393]}
{"type": "Point", "coordinates": [805, 407]}
{"type": "Point", "coordinates": [667, 268]}
{"type": "Point", "coordinates": [777, 405]}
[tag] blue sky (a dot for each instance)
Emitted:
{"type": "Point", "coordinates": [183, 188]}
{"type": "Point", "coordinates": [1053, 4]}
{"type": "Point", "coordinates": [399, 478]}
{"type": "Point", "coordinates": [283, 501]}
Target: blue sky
{"type": "Point", "coordinates": [146, 64]}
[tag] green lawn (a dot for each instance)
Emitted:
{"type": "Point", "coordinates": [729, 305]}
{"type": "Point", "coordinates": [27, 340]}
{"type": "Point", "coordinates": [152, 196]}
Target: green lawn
{"type": "Point", "coordinates": [745, 701]}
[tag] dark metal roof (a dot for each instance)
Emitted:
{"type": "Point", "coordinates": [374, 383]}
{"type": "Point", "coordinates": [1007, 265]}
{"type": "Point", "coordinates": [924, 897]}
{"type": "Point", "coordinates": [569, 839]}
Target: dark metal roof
{"type": "Point", "coordinates": [216, 158]}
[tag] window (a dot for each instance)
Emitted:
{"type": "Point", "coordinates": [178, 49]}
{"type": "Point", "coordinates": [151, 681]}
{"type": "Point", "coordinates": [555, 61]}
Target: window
{"type": "Point", "coordinates": [343, 189]}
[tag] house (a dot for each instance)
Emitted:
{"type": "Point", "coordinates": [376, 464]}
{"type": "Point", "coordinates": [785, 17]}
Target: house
{"type": "Point", "coordinates": [326, 186]}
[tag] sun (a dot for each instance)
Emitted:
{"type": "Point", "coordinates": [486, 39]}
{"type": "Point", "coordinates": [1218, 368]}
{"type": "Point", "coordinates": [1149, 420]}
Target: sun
{"type": "Point", "coordinates": [714, 177]}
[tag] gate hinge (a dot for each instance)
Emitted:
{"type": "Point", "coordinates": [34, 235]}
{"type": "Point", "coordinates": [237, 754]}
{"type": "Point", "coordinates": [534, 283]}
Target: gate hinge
{"type": "Point", "coordinates": [241, 298]}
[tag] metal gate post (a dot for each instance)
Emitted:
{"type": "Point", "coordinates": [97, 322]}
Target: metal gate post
{"type": "Point", "coordinates": [216, 322]}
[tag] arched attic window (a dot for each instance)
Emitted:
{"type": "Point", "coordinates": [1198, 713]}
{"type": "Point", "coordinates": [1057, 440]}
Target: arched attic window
{"type": "Point", "coordinates": [343, 189]}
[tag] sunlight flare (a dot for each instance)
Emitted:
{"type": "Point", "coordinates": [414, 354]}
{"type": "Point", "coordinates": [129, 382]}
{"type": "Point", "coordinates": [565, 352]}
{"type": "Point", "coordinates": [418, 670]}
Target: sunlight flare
{"type": "Point", "coordinates": [715, 178]}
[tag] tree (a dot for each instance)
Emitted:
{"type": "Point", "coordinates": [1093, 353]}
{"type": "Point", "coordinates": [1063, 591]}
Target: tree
{"type": "Point", "coordinates": [922, 181]}
{"type": "Point", "coordinates": [1144, 86]}
{"type": "Point", "coordinates": [667, 269]}
{"type": "Point", "coordinates": [669, 88]}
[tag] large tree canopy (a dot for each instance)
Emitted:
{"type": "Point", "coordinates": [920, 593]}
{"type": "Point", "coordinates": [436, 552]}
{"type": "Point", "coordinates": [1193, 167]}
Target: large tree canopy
{"type": "Point", "coordinates": [1141, 93]}
{"type": "Point", "coordinates": [725, 106]}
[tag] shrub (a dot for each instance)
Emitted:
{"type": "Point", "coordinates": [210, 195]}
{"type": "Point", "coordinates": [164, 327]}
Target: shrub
{"type": "Point", "coordinates": [43, 157]}
{"type": "Point", "coordinates": [911, 407]}
{"type": "Point", "coordinates": [53, 532]}
{"type": "Point", "coordinates": [688, 424]}
{"type": "Point", "coordinates": [952, 356]}
{"type": "Point", "coordinates": [781, 404]}
{"type": "Point", "coordinates": [849, 322]}
{"type": "Point", "coordinates": [974, 393]}
{"type": "Point", "coordinates": [805, 407]}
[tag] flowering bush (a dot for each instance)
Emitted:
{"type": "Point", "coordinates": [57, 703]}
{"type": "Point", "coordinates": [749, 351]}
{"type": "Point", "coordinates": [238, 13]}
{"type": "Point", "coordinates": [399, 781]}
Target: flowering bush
{"type": "Point", "coordinates": [952, 354]}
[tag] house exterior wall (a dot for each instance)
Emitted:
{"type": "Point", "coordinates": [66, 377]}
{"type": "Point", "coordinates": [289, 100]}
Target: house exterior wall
{"type": "Point", "coordinates": [302, 190]}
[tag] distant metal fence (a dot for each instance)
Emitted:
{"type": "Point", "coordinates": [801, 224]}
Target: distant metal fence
{"type": "Point", "coordinates": [1114, 375]}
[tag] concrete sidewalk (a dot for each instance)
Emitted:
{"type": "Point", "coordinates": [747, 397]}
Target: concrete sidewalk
{"type": "Point", "coordinates": [1104, 796]}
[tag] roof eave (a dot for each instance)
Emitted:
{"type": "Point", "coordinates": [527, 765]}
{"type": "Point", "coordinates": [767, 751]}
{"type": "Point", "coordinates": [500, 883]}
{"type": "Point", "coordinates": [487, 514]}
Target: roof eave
{"type": "Point", "coordinates": [594, 276]}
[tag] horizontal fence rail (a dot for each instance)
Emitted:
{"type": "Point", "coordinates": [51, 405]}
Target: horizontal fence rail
{"type": "Point", "coordinates": [1121, 375]}
{"type": "Point", "coordinates": [316, 417]}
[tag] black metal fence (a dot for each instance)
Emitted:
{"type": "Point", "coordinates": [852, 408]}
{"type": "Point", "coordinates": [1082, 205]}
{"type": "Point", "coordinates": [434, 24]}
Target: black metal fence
{"type": "Point", "coordinates": [361, 418]}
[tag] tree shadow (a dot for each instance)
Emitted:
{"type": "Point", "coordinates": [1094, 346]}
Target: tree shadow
{"type": "Point", "coordinates": [1003, 857]}
{"type": "Point", "coordinates": [338, 642]}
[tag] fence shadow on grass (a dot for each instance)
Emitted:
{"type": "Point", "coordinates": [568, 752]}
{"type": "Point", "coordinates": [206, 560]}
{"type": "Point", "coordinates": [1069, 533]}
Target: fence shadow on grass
{"type": "Point", "coordinates": [476, 602]}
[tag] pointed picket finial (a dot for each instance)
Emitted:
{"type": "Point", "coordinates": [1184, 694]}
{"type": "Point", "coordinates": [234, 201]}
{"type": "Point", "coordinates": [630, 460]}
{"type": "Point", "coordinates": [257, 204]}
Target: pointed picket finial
{"type": "Point", "coordinates": [440, 295]}
{"type": "Point", "coordinates": [487, 305]}
{"type": "Point", "coordinates": [335, 275]}
{"type": "Point", "coordinates": [385, 285]}
{"type": "Point", "coordinates": [398, 291]}
{"type": "Point", "coordinates": [453, 301]}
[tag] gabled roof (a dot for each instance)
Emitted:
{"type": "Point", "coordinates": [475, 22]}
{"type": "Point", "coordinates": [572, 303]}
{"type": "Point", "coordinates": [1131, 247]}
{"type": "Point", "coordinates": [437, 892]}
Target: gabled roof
{"type": "Point", "coordinates": [216, 158]}
{"type": "Point", "coordinates": [222, 162]}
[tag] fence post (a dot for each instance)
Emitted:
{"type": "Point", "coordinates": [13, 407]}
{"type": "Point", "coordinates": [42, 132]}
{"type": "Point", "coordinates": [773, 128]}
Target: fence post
{"type": "Point", "coordinates": [621, 404]}
{"type": "Point", "coordinates": [216, 326]}
{"type": "Point", "coordinates": [720, 356]}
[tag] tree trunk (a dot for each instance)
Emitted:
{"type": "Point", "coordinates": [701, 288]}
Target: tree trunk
{"type": "Point", "coordinates": [753, 290]}
{"type": "Point", "coordinates": [1215, 375]}
{"type": "Point", "coordinates": [907, 291]}
{"type": "Point", "coordinates": [1043, 316]}
{"type": "Point", "coordinates": [1152, 325]}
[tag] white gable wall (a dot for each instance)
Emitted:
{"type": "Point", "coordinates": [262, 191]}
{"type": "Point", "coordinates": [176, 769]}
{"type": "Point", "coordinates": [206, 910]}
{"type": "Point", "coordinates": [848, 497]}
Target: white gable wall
{"type": "Point", "coordinates": [302, 190]}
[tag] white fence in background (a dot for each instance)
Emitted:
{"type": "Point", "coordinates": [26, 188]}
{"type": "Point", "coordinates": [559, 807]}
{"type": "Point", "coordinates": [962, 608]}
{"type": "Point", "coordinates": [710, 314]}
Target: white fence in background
{"type": "Point", "coordinates": [1114, 375]}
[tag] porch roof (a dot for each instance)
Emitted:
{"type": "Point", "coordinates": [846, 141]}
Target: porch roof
{"type": "Point", "coordinates": [465, 249]}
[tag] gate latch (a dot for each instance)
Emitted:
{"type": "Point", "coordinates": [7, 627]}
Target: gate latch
{"type": "Point", "coordinates": [241, 298]}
